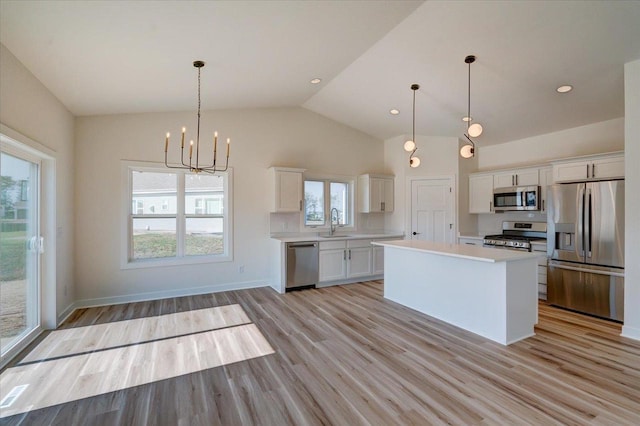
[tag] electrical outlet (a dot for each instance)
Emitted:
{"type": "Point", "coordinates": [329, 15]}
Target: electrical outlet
{"type": "Point", "coordinates": [241, 269]}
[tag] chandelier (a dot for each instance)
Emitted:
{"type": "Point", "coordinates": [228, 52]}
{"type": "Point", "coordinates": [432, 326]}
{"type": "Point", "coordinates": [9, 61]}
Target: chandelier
{"type": "Point", "coordinates": [473, 130]}
{"type": "Point", "coordinates": [190, 164]}
{"type": "Point", "coordinates": [410, 146]}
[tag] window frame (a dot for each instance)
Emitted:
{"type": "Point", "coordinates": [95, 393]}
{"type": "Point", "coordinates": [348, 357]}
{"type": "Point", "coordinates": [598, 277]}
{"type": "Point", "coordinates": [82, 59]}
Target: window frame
{"type": "Point", "coordinates": [327, 180]}
{"type": "Point", "coordinates": [128, 262]}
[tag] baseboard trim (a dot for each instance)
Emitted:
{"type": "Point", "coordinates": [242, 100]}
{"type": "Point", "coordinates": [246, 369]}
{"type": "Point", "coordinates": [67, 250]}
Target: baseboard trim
{"type": "Point", "coordinates": [65, 314]}
{"type": "Point", "coordinates": [630, 332]}
{"type": "Point", "coordinates": [156, 295]}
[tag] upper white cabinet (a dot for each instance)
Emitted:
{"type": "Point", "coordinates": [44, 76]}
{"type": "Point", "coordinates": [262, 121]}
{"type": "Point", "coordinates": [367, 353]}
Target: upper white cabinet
{"type": "Point", "coordinates": [481, 193]}
{"type": "Point", "coordinates": [520, 177]}
{"type": "Point", "coordinates": [546, 179]}
{"type": "Point", "coordinates": [590, 168]}
{"type": "Point", "coordinates": [375, 193]}
{"type": "Point", "coordinates": [286, 189]}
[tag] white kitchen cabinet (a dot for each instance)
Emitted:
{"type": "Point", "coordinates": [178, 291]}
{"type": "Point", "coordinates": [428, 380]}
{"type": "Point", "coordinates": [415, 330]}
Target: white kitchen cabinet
{"type": "Point", "coordinates": [590, 168]}
{"type": "Point", "coordinates": [470, 241]}
{"type": "Point", "coordinates": [378, 260]}
{"type": "Point", "coordinates": [546, 179]}
{"type": "Point", "coordinates": [375, 193]}
{"type": "Point", "coordinates": [359, 262]}
{"type": "Point", "coordinates": [333, 265]}
{"type": "Point", "coordinates": [518, 177]}
{"type": "Point", "coordinates": [345, 260]}
{"type": "Point", "coordinates": [481, 193]}
{"type": "Point", "coordinates": [542, 269]}
{"type": "Point", "coordinates": [286, 189]}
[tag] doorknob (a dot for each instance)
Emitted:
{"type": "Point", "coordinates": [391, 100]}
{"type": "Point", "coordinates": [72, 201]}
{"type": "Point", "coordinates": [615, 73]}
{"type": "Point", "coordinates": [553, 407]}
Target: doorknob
{"type": "Point", "coordinates": [415, 233]}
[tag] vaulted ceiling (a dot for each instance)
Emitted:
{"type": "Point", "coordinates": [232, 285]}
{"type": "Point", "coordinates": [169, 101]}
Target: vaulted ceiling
{"type": "Point", "coordinates": [109, 57]}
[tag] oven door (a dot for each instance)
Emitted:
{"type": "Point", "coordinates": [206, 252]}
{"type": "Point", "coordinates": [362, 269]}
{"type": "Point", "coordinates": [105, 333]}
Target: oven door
{"type": "Point", "coordinates": [516, 198]}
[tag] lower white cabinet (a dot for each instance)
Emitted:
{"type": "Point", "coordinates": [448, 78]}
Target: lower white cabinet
{"type": "Point", "coordinates": [333, 265]}
{"type": "Point", "coordinates": [542, 269]}
{"type": "Point", "coordinates": [470, 241]}
{"type": "Point", "coordinates": [378, 260]}
{"type": "Point", "coordinates": [349, 260]}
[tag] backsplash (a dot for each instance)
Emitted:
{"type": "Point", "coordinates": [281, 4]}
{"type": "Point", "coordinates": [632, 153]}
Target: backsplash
{"type": "Point", "coordinates": [492, 223]}
{"type": "Point", "coordinates": [285, 223]}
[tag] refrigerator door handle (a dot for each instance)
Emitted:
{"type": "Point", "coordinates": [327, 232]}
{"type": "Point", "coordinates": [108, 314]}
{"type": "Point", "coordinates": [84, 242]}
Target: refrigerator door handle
{"type": "Point", "coordinates": [588, 223]}
{"type": "Point", "coordinates": [580, 228]}
{"type": "Point", "coordinates": [553, 264]}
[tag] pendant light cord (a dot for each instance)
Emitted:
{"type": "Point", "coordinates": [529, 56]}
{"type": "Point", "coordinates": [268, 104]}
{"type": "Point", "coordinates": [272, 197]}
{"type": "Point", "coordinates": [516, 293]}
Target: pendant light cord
{"type": "Point", "coordinates": [469, 98]}
{"type": "Point", "coordinates": [414, 117]}
{"type": "Point", "coordinates": [198, 131]}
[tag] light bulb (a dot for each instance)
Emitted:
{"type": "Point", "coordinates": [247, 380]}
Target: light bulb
{"type": "Point", "coordinates": [409, 146]}
{"type": "Point", "coordinates": [414, 162]}
{"type": "Point", "coordinates": [475, 130]}
{"type": "Point", "coordinates": [466, 151]}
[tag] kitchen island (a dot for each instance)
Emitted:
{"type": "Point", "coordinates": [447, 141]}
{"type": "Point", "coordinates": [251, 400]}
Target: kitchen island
{"type": "Point", "coordinates": [489, 292]}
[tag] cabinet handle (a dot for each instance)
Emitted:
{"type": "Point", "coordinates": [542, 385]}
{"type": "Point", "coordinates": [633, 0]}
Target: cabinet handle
{"type": "Point", "coordinates": [344, 255]}
{"type": "Point", "coordinates": [490, 206]}
{"type": "Point", "coordinates": [349, 254]}
{"type": "Point", "coordinates": [542, 205]}
{"type": "Point", "coordinates": [516, 179]}
{"type": "Point", "coordinates": [382, 206]}
{"type": "Point", "coordinates": [300, 205]}
{"type": "Point", "coordinates": [593, 170]}
{"type": "Point", "coordinates": [587, 171]}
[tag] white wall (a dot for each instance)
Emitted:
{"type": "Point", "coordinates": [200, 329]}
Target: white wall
{"type": "Point", "coordinates": [30, 109]}
{"type": "Point", "coordinates": [438, 157]}
{"type": "Point", "coordinates": [291, 137]}
{"type": "Point", "coordinates": [631, 326]}
{"type": "Point", "coordinates": [606, 136]}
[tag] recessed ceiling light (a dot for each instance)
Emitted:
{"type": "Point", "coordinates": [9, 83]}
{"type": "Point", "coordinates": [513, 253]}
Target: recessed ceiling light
{"type": "Point", "coordinates": [394, 111]}
{"type": "Point", "coordinates": [564, 88]}
{"type": "Point", "coordinates": [316, 81]}
{"type": "Point", "coordinates": [465, 119]}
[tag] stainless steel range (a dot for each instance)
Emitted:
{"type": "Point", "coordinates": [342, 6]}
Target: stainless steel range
{"type": "Point", "coordinates": [517, 236]}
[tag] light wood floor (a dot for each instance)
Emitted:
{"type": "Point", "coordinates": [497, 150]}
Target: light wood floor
{"type": "Point", "coordinates": [345, 356]}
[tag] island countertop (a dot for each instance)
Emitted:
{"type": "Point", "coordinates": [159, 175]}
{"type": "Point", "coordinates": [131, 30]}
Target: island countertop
{"type": "Point", "coordinates": [464, 251]}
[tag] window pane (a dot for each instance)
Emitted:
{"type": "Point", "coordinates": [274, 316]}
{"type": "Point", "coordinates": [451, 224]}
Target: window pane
{"type": "Point", "coordinates": [204, 236]}
{"type": "Point", "coordinates": [204, 194]}
{"type": "Point", "coordinates": [340, 201]}
{"type": "Point", "coordinates": [154, 238]}
{"type": "Point", "coordinates": [154, 193]}
{"type": "Point", "coordinates": [313, 202]}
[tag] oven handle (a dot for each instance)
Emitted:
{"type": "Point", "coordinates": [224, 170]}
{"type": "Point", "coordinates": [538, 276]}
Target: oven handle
{"type": "Point", "coordinates": [553, 264]}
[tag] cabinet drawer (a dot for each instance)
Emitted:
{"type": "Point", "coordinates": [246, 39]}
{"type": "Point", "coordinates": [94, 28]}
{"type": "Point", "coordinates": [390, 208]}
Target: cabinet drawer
{"type": "Point", "coordinates": [358, 243]}
{"type": "Point", "coordinates": [329, 245]}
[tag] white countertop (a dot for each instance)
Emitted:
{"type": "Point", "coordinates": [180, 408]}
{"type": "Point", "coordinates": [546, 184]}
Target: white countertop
{"type": "Point", "coordinates": [337, 237]}
{"type": "Point", "coordinates": [463, 251]}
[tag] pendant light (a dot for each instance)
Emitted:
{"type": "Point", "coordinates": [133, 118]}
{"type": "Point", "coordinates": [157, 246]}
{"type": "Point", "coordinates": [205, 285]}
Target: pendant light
{"type": "Point", "coordinates": [195, 166]}
{"type": "Point", "coordinates": [410, 145]}
{"type": "Point", "coordinates": [473, 130]}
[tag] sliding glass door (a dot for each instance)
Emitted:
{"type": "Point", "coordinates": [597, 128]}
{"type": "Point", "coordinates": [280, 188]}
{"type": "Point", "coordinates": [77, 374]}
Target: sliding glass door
{"type": "Point", "coordinates": [20, 246]}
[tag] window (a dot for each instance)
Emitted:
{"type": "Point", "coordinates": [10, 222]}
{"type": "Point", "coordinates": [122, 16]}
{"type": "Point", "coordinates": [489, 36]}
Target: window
{"type": "Point", "coordinates": [177, 217]}
{"type": "Point", "coordinates": [322, 196]}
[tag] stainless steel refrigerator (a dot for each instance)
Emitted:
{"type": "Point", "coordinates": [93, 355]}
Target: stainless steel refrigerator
{"type": "Point", "coordinates": [585, 245]}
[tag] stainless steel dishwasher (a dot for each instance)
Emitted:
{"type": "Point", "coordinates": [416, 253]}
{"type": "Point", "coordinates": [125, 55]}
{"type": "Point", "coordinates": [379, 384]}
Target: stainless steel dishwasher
{"type": "Point", "coordinates": [302, 265]}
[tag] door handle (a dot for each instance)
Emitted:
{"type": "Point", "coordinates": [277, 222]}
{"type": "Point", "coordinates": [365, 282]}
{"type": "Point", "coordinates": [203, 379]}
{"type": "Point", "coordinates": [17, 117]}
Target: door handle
{"type": "Point", "coordinates": [415, 233]}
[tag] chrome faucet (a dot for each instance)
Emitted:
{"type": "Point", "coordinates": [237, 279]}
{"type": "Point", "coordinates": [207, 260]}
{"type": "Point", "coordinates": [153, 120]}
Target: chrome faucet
{"type": "Point", "coordinates": [332, 228]}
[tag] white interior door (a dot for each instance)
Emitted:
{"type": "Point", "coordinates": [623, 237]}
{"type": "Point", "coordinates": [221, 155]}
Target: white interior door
{"type": "Point", "coordinates": [432, 210]}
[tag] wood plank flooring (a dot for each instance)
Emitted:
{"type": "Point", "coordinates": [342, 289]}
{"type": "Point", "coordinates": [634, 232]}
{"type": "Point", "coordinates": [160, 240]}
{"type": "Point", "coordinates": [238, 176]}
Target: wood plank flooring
{"type": "Point", "coordinates": [346, 356]}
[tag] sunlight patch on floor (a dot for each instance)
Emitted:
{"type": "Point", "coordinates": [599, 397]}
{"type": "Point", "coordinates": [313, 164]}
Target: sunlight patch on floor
{"type": "Point", "coordinates": [123, 365]}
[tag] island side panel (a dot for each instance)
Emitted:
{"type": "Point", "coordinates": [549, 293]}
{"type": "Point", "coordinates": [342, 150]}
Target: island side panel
{"type": "Point", "coordinates": [467, 293]}
{"type": "Point", "coordinates": [522, 299]}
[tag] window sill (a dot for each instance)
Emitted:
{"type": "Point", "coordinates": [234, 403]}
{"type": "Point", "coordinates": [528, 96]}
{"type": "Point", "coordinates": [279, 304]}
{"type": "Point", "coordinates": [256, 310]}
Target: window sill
{"type": "Point", "coordinates": [174, 261]}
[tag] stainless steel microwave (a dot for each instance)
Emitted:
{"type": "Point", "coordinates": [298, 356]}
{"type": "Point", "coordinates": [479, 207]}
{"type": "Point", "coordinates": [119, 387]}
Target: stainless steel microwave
{"type": "Point", "coordinates": [516, 198]}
